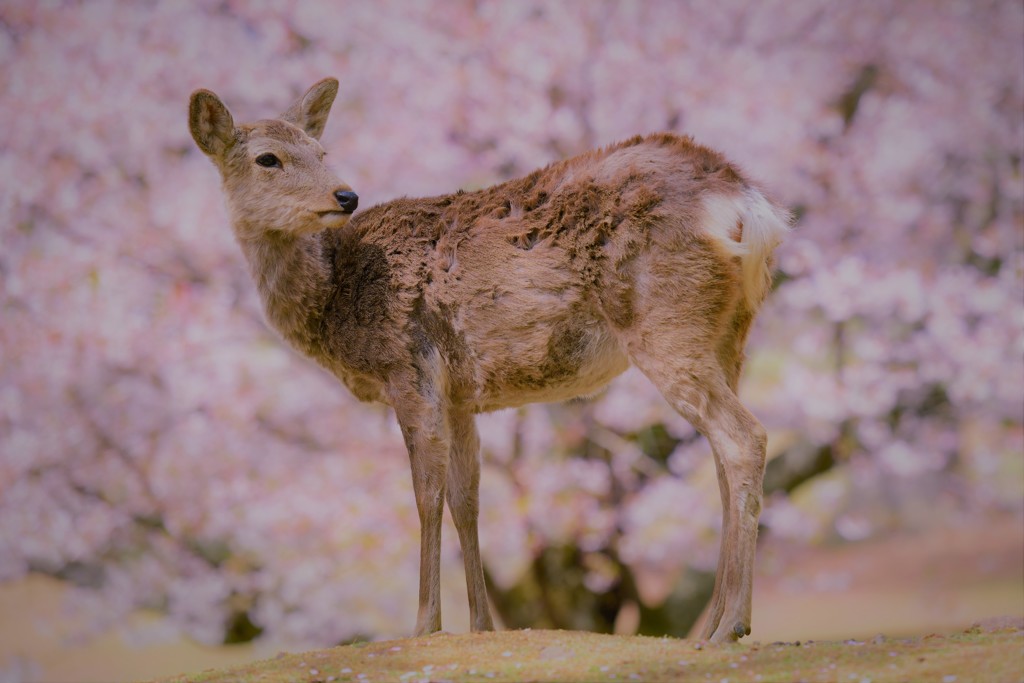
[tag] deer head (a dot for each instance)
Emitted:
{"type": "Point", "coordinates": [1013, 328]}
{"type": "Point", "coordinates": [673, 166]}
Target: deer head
{"type": "Point", "coordinates": [273, 170]}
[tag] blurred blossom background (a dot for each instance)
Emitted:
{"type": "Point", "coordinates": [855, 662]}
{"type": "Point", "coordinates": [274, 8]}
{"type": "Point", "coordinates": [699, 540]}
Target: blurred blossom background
{"type": "Point", "coordinates": [173, 478]}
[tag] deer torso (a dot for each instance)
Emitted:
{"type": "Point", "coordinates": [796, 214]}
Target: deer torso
{"type": "Point", "coordinates": [515, 290]}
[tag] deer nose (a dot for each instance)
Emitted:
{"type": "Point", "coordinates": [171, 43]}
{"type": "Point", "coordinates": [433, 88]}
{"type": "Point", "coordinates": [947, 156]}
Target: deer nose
{"type": "Point", "coordinates": [347, 200]}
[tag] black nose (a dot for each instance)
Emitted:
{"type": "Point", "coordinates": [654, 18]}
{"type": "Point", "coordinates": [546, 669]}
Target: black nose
{"type": "Point", "coordinates": [347, 200]}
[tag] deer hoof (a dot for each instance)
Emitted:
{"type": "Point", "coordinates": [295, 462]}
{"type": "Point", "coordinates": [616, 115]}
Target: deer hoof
{"type": "Point", "coordinates": [740, 630]}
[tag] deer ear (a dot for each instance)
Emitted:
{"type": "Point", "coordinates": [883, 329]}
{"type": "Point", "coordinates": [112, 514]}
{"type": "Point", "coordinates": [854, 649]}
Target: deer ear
{"type": "Point", "coordinates": [310, 111]}
{"type": "Point", "coordinates": [211, 124]}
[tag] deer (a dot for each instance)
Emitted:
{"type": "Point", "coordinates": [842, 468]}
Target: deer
{"type": "Point", "coordinates": [654, 252]}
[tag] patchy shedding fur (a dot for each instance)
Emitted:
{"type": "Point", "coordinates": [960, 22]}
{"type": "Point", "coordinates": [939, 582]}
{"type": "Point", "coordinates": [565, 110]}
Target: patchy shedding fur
{"type": "Point", "coordinates": [654, 251]}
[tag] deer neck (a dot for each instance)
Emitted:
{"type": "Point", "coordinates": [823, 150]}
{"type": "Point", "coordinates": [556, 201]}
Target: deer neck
{"type": "Point", "coordinates": [293, 277]}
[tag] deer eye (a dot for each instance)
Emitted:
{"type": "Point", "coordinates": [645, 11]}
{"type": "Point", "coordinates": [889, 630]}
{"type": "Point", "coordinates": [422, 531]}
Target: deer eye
{"type": "Point", "coordinates": [268, 160]}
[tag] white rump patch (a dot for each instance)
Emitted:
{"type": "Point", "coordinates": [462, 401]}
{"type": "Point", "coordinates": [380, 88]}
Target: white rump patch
{"type": "Point", "coordinates": [747, 225]}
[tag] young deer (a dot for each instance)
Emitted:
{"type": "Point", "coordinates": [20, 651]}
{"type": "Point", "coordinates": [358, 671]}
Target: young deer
{"type": "Point", "coordinates": [654, 251]}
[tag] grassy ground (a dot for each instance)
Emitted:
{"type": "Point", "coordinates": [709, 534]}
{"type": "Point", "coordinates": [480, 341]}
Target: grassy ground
{"type": "Point", "coordinates": [905, 586]}
{"type": "Point", "coordinates": [994, 653]}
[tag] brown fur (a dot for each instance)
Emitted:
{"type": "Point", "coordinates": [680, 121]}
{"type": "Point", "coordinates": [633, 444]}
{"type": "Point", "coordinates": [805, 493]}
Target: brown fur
{"type": "Point", "coordinates": [653, 251]}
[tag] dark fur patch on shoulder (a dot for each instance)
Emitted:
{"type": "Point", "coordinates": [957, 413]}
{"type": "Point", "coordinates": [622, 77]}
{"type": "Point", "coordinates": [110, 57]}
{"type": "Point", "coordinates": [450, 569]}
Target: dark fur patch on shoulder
{"type": "Point", "coordinates": [359, 305]}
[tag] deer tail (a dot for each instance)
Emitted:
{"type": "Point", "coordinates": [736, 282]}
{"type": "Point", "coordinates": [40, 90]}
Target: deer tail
{"type": "Point", "coordinates": [748, 226]}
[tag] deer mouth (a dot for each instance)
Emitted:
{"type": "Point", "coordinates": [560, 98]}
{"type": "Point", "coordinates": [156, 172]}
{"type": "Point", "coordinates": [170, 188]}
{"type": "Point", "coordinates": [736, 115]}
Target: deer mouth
{"type": "Point", "coordinates": [333, 218]}
{"type": "Point", "coordinates": [334, 213]}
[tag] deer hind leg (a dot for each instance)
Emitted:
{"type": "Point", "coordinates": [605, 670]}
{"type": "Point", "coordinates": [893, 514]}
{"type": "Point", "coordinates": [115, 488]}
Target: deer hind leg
{"type": "Point", "coordinates": [464, 504]}
{"type": "Point", "coordinates": [699, 389]}
{"type": "Point", "coordinates": [730, 358]}
{"type": "Point", "coordinates": [424, 423]}
{"type": "Point", "coordinates": [738, 441]}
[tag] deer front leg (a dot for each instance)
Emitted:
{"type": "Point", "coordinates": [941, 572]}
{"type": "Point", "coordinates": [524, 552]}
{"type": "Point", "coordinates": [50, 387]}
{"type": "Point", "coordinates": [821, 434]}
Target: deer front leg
{"type": "Point", "coordinates": [463, 502]}
{"type": "Point", "coordinates": [424, 426]}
